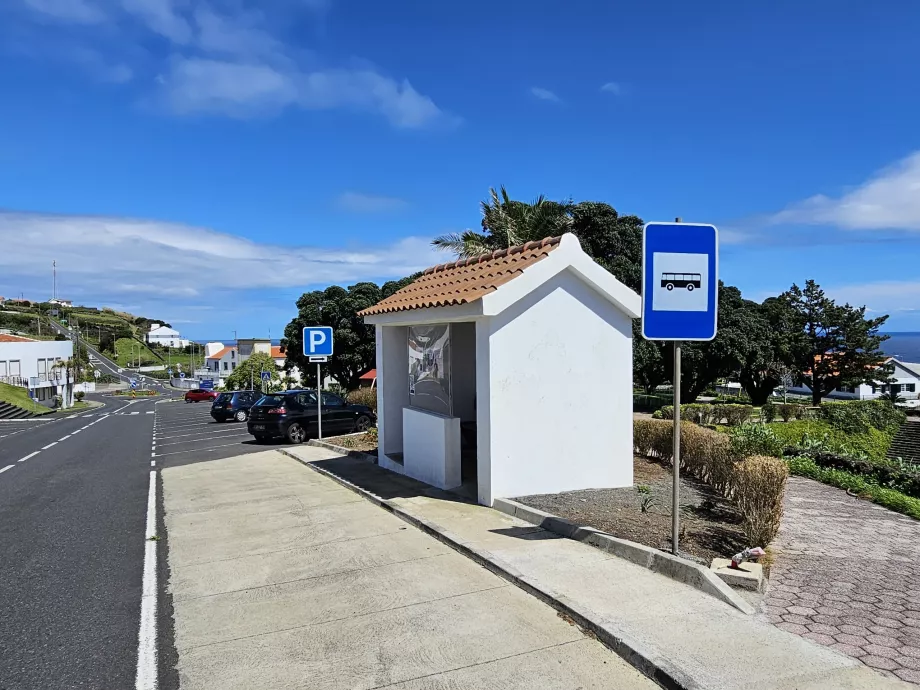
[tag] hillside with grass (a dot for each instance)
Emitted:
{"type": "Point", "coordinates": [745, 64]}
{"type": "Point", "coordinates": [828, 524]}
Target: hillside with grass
{"type": "Point", "coordinates": [19, 397]}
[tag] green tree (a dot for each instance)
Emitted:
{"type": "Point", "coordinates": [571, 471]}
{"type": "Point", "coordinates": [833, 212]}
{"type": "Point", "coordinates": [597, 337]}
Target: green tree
{"type": "Point", "coordinates": [648, 364]}
{"type": "Point", "coordinates": [338, 307]}
{"type": "Point", "coordinates": [768, 360]}
{"type": "Point", "coordinates": [506, 223]}
{"type": "Point", "coordinates": [249, 374]}
{"type": "Point", "coordinates": [833, 345]}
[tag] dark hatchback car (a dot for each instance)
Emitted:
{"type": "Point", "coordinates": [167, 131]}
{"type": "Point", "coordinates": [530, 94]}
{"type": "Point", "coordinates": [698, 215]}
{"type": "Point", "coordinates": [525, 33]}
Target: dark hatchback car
{"type": "Point", "coordinates": [234, 405]}
{"type": "Point", "coordinates": [292, 415]}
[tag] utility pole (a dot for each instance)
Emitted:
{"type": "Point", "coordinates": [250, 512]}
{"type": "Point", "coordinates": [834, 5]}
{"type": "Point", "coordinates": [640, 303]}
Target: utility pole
{"type": "Point", "coordinates": [54, 279]}
{"type": "Point", "coordinates": [675, 472]}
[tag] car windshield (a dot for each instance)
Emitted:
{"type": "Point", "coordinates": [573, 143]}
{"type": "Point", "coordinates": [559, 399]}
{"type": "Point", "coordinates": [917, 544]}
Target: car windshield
{"type": "Point", "coordinates": [224, 397]}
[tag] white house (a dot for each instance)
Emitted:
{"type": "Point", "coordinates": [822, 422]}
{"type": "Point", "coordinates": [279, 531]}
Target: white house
{"type": "Point", "coordinates": [32, 364]}
{"type": "Point", "coordinates": [508, 374]}
{"type": "Point", "coordinates": [167, 337]}
{"type": "Point", "coordinates": [906, 376]}
{"type": "Point", "coordinates": [222, 363]}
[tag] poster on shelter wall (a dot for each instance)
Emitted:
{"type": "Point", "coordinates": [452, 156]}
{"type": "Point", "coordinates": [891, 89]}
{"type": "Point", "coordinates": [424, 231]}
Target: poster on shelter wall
{"type": "Point", "coordinates": [429, 368]}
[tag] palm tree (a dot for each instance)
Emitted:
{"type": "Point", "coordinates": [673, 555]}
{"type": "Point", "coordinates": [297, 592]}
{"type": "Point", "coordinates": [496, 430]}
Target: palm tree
{"type": "Point", "coordinates": [892, 395]}
{"type": "Point", "coordinates": [506, 223]}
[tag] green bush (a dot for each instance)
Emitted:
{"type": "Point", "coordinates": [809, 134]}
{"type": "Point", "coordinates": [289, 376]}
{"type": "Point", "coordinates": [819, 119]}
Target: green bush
{"type": "Point", "coordinates": [649, 403]}
{"type": "Point", "coordinates": [755, 439]}
{"type": "Point", "coordinates": [79, 395]}
{"type": "Point", "coordinates": [364, 396]}
{"type": "Point", "coordinates": [891, 499]}
{"type": "Point", "coordinates": [768, 412]}
{"type": "Point", "coordinates": [856, 416]}
{"type": "Point", "coordinates": [755, 484]}
{"type": "Point", "coordinates": [816, 434]}
{"type": "Point", "coordinates": [706, 414]}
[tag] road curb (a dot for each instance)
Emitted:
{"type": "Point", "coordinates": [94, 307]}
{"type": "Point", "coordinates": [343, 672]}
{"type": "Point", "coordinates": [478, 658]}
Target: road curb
{"type": "Point", "coordinates": [666, 564]}
{"type": "Point", "coordinates": [653, 665]}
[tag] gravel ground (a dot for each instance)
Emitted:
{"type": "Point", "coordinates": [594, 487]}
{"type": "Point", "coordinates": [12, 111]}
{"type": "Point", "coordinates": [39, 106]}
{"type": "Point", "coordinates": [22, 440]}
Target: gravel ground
{"type": "Point", "coordinates": [710, 525]}
{"type": "Point", "coordinates": [366, 443]}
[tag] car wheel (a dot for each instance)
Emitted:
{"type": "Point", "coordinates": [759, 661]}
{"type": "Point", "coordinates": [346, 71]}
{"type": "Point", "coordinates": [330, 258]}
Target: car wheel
{"type": "Point", "coordinates": [362, 423]}
{"type": "Point", "coordinates": [240, 415]}
{"type": "Point", "coordinates": [296, 434]}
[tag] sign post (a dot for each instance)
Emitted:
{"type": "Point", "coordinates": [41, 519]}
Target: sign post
{"type": "Point", "coordinates": [680, 292]}
{"type": "Point", "coordinates": [317, 345]}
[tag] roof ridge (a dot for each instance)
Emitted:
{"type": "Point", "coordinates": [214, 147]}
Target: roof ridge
{"type": "Point", "coordinates": [497, 254]}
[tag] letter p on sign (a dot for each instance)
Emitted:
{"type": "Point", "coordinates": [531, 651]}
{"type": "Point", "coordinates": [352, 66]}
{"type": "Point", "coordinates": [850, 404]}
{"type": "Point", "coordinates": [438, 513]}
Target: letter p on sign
{"type": "Point", "coordinates": [317, 341]}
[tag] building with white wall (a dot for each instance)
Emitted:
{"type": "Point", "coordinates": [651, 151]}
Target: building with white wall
{"type": "Point", "coordinates": [33, 364]}
{"type": "Point", "coordinates": [508, 374]}
{"type": "Point", "coordinates": [165, 336]}
{"type": "Point", "coordinates": [905, 380]}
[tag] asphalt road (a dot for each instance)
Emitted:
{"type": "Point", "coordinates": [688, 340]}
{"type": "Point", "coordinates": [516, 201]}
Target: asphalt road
{"type": "Point", "coordinates": [73, 499]}
{"type": "Point", "coordinates": [73, 508]}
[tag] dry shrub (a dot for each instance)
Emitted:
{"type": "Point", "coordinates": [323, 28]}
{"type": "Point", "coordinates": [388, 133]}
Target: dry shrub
{"type": "Point", "coordinates": [755, 484]}
{"type": "Point", "coordinates": [759, 484]}
{"type": "Point", "coordinates": [364, 396]}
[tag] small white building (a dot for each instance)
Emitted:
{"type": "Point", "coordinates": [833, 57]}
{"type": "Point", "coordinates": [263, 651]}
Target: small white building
{"type": "Point", "coordinates": [32, 364]}
{"type": "Point", "coordinates": [508, 374]}
{"type": "Point", "coordinates": [222, 363]}
{"type": "Point", "coordinates": [906, 382]}
{"type": "Point", "coordinates": [165, 336]}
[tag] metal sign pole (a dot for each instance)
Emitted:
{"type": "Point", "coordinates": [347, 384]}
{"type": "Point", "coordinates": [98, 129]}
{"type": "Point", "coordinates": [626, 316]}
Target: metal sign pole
{"type": "Point", "coordinates": [675, 473]}
{"type": "Point", "coordinates": [319, 404]}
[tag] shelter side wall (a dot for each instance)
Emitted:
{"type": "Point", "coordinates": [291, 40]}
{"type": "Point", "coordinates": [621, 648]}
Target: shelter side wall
{"type": "Point", "coordinates": [392, 386]}
{"type": "Point", "coordinates": [560, 379]}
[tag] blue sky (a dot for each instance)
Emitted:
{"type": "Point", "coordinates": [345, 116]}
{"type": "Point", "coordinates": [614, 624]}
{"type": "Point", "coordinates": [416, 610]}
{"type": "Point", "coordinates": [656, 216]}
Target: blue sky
{"type": "Point", "coordinates": [206, 162]}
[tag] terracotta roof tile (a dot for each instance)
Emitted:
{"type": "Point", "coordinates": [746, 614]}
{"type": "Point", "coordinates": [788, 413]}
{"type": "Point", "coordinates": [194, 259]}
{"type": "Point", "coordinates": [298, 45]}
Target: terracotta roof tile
{"type": "Point", "coordinates": [220, 353]}
{"type": "Point", "coordinates": [4, 338]}
{"type": "Point", "coordinates": [277, 352]}
{"type": "Point", "coordinates": [466, 280]}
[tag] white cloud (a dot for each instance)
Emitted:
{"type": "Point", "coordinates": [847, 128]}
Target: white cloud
{"type": "Point", "coordinates": [890, 200]}
{"type": "Point", "coordinates": [94, 63]}
{"type": "Point", "coordinates": [881, 297]}
{"type": "Point", "coordinates": [357, 202]}
{"type": "Point", "coordinates": [544, 94]}
{"type": "Point", "coordinates": [74, 11]}
{"type": "Point", "coordinates": [125, 260]}
{"type": "Point", "coordinates": [161, 17]}
{"type": "Point", "coordinates": [612, 87]}
{"type": "Point", "coordinates": [199, 85]}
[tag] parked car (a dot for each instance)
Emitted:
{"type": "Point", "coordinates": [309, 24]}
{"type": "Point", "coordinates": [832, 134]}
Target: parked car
{"type": "Point", "coordinates": [234, 405]}
{"type": "Point", "coordinates": [292, 415]}
{"type": "Point", "coordinates": [199, 394]}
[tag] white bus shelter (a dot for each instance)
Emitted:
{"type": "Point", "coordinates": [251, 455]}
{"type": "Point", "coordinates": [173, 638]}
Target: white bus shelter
{"type": "Point", "coordinates": [509, 374]}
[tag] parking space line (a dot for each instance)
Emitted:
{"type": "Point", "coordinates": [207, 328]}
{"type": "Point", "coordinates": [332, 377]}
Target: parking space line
{"type": "Point", "coordinates": [64, 438]}
{"type": "Point", "coordinates": [200, 433]}
{"type": "Point", "coordinates": [30, 455]}
{"type": "Point", "coordinates": [200, 450]}
{"type": "Point", "coordinates": [205, 439]}
{"type": "Point", "coordinates": [49, 445]}
{"type": "Point", "coordinates": [8, 467]}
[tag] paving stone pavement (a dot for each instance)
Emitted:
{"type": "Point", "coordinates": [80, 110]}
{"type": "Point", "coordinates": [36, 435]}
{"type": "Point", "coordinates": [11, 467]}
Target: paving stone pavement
{"type": "Point", "coordinates": [847, 575]}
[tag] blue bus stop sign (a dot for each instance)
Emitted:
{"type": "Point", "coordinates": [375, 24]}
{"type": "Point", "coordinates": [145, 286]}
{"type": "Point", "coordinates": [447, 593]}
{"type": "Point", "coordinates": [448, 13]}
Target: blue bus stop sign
{"type": "Point", "coordinates": [680, 280]}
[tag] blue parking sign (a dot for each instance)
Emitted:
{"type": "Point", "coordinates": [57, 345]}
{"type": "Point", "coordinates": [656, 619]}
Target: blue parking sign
{"type": "Point", "coordinates": [317, 341]}
{"type": "Point", "coordinates": [680, 281]}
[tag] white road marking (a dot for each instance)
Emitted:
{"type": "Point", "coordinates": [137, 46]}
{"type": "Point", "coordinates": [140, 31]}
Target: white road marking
{"type": "Point", "coordinates": [146, 678]}
{"type": "Point", "coordinates": [49, 445]}
{"type": "Point", "coordinates": [8, 467]}
{"type": "Point", "coordinates": [132, 412]}
{"type": "Point", "coordinates": [64, 438]}
{"type": "Point", "coordinates": [153, 463]}
{"type": "Point", "coordinates": [197, 450]}
{"type": "Point", "coordinates": [153, 455]}
{"type": "Point", "coordinates": [30, 455]}
{"type": "Point", "coordinates": [150, 412]}
{"type": "Point", "coordinates": [205, 439]}
{"type": "Point", "coordinates": [76, 432]}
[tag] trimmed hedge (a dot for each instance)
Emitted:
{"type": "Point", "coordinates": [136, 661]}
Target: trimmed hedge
{"type": "Point", "coordinates": [905, 478]}
{"type": "Point", "coordinates": [857, 416]}
{"type": "Point", "coordinates": [704, 413]}
{"type": "Point", "coordinates": [817, 434]}
{"type": "Point", "coordinates": [755, 484]}
{"type": "Point", "coordinates": [889, 498]}
{"type": "Point", "coordinates": [649, 403]}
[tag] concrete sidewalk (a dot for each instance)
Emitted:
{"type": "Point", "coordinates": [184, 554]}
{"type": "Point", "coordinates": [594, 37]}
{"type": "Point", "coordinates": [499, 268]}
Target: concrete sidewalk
{"type": "Point", "coordinates": [281, 578]}
{"type": "Point", "coordinates": [688, 638]}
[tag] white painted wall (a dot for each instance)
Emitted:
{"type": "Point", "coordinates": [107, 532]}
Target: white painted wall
{"type": "Point", "coordinates": [28, 354]}
{"type": "Point", "coordinates": [392, 386]}
{"type": "Point", "coordinates": [431, 447]}
{"type": "Point", "coordinates": [560, 378]}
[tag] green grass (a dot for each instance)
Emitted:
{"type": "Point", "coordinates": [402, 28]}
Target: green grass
{"type": "Point", "coordinates": [14, 395]}
{"type": "Point", "coordinates": [889, 498]}
{"type": "Point", "coordinates": [126, 353]}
